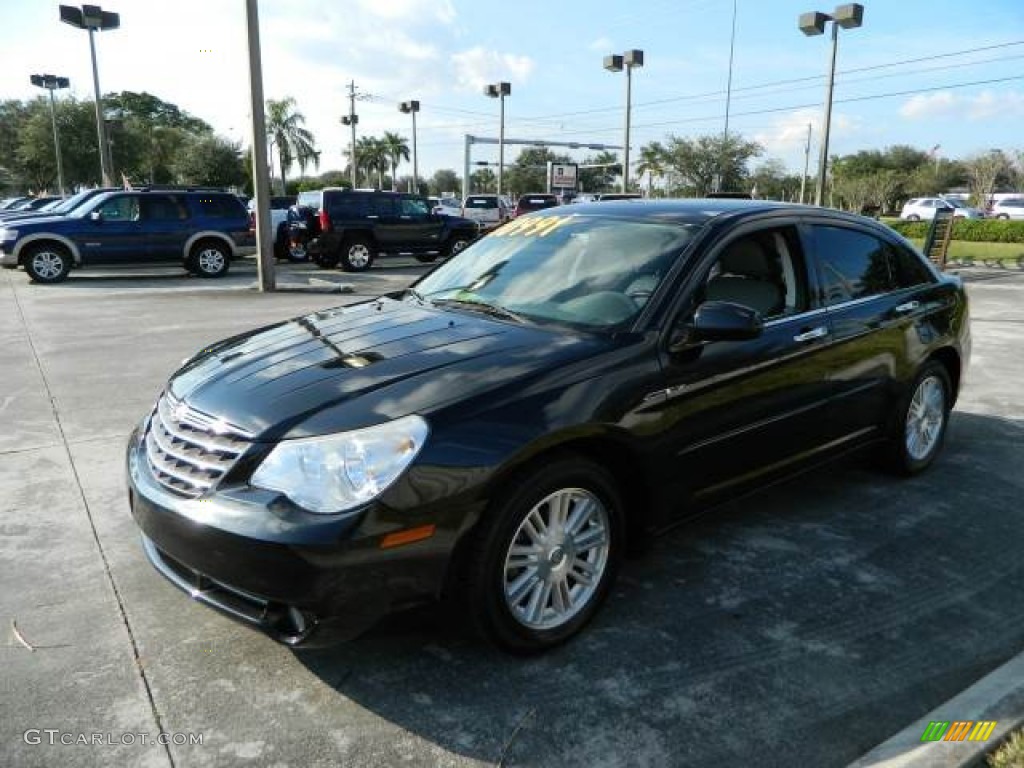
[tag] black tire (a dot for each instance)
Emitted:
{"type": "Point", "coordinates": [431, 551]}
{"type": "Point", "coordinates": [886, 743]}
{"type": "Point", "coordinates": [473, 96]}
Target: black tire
{"type": "Point", "coordinates": [487, 577]}
{"type": "Point", "coordinates": [326, 260]}
{"type": "Point", "coordinates": [297, 251]}
{"type": "Point", "coordinates": [913, 217]}
{"type": "Point", "coordinates": [47, 263]}
{"type": "Point", "coordinates": [911, 424]}
{"type": "Point", "coordinates": [426, 258]}
{"type": "Point", "coordinates": [357, 254]}
{"type": "Point", "coordinates": [1003, 216]}
{"type": "Point", "coordinates": [209, 258]}
{"type": "Point", "coordinates": [456, 244]}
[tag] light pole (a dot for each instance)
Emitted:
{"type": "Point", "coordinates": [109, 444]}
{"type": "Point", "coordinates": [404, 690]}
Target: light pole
{"type": "Point", "coordinates": [846, 16]}
{"type": "Point", "coordinates": [500, 91]}
{"type": "Point", "coordinates": [616, 63]}
{"type": "Point", "coordinates": [352, 119]}
{"type": "Point", "coordinates": [91, 18]}
{"type": "Point", "coordinates": [411, 108]}
{"type": "Point", "coordinates": [51, 83]}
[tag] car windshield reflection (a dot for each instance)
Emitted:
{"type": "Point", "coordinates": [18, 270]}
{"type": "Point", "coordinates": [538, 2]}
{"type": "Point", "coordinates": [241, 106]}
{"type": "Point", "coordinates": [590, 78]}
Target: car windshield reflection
{"type": "Point", "coordinates": [591, 272]}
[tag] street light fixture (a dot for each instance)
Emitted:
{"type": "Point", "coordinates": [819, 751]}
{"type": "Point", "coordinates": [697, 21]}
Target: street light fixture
{"type": "Point", "coordinates": [411, 108]}
{"type": "Point", "coordinates": [847, 16]}
{"type": "Point", "coordinates": [92, 18]}
{"type": "Point", "coordinates": [500, 91]}
{"type": "Point", "coordinates": [616, 63]}
{"type": "Point", "coordinates": [51, 83]}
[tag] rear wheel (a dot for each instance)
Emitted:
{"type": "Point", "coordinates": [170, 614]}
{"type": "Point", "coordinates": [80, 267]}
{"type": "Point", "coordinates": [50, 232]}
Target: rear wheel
{"type": "Point", "coordinates": [48, 263]}
{"type": "Point", "coordinates": [457, 244]}
{"type": "Point", "coordinates": [921, 420]}
{"type": "Point", "coordinates": [356, 254]}
{"type": "Point", "coordinates": [546, 556]}
{"type": "Point", "coordinates": [209, 259]}
{"type": "Point", "coordinates": [913, 217]}
{"type": "Point", "coordinates": [1003, 216]}
{"type": "Point", "coordinates": [426, 258]}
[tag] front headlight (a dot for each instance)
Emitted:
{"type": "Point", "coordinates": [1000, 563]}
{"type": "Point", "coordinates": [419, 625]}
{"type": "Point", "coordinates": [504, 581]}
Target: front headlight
{"type": "Point", "coordinates": [7, 235]}
{"type": "Point", "coordinates": [335, 473]}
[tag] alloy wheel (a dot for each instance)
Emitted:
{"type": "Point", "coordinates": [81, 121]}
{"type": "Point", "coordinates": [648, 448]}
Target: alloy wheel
{"type": "Point", "coordinates": [925, 418]}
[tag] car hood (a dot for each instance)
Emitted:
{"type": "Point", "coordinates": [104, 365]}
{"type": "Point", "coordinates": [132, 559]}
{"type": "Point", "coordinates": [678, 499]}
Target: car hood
{"type": "Point", "coordinates": [364, 364]}
{"type": "Point", "coordinates": [37, 221]}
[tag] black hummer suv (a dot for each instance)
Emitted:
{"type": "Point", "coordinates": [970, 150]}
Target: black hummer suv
{"type": "Point", "coordinates": [351, 227]}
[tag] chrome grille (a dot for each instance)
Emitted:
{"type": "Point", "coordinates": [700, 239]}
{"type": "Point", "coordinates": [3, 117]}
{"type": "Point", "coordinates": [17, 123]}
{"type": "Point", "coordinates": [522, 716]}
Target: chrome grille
{"type": "Point", "coordinates": [188, 451]}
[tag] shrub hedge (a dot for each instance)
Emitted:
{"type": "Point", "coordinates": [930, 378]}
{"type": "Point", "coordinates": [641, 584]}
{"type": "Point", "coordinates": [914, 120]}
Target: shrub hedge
{"type": "Point", "coordinates": [970, 230]}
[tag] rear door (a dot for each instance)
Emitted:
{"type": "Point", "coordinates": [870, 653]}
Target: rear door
{"type": "Point", "coordinates": [875, 295]}
{"type": "Point", "coordinates": [420, 227]}
{"type": "Point", "coordinates": [165, 223]}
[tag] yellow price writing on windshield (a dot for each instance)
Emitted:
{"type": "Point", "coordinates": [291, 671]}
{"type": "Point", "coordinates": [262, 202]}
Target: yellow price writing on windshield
{"type": "Point", "coordinates": [532, 227]}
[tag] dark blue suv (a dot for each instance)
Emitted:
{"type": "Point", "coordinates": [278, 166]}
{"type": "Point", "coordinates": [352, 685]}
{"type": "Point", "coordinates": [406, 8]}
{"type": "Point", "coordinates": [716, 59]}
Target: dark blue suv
{"type": "Point", "coordinates": [204, 230]}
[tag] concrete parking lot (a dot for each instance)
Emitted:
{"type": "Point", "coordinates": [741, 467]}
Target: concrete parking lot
{"type": "Point", "coordinates": [796, 627]}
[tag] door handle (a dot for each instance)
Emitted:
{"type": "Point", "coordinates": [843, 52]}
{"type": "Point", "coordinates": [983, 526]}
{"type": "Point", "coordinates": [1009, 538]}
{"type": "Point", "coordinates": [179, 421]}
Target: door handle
{"type": "Point", "coordinates": [909, 306]}
{"type": "Point", "coordinates": [814, 333]}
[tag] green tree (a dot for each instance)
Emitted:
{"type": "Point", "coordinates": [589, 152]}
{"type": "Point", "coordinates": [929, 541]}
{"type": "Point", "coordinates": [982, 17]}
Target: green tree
{"type": "Point", "coordinates": [653, 160]}
{"type": "Point", "coordinates": [607, 167]}
{"type": "Point", "coordinates": [983, 173]}
{"type": "Point", "coordinates": [701, 161]}
{"type": "Point", "coordinates": [210, 160]}
{"type": "Point", "coordinates": [150, 110]}
{"type": "Point", "coordinates": [445, 180]}
{"type": "Point", "coordinates": [372, 155]}
{"type": "Point", "coordinates": [398, 150]}
{"type": "Point", "coordinates": [483, 180]}
{"type": "Point", "coordinates": [772, 181]}
{"type": "Point", "coordinates": [287, 133]}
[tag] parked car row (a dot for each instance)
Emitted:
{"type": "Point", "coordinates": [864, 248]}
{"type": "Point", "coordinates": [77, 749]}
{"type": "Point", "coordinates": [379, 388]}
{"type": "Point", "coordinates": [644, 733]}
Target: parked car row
{"type": "Point", "coordinates": [924, 208]}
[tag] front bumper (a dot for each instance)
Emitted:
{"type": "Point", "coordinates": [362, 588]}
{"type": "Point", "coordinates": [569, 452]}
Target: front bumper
{"type": "Point", "coordinates": [8, 259]}
{"type": "Point", "coordinates": [301, 578]}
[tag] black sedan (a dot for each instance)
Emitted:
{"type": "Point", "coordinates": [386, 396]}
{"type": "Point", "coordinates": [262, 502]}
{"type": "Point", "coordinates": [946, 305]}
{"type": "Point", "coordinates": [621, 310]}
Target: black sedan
{"type": "Point", "coordinates": [498, 433]}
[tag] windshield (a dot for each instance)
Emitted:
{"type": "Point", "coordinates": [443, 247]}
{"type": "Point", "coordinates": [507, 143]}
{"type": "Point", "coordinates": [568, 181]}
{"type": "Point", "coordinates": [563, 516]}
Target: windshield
{"type": "Point", "coordinates": [955, 203]}
{"type": "Point", "coordinates": [593, 272]}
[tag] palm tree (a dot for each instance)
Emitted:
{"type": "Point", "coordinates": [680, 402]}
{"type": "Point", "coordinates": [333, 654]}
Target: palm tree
{"type": "Point", "coordinates": [652, 162]}
{"type": "Point", "coordinates": [373, 156]}
{"type": "Point", "coordinates": [398, 150]}
{"type": "Point", "coordinates": [293, 141]}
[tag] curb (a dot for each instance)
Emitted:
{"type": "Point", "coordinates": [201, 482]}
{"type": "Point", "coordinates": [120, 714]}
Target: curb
{"type": "Point", "coordinates": [315, 285]}
{"type": "Point", "coordinates": [998, 696]}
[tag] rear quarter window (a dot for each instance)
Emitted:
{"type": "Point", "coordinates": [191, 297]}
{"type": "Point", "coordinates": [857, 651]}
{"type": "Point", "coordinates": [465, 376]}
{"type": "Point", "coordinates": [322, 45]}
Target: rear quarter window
{"type": "Point", "coordinates": [219, 207]}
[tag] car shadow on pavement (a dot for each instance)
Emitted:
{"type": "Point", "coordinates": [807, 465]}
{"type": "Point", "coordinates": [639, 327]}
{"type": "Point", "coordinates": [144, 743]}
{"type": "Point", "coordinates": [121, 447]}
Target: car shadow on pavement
{"type": "Point", "coordinates": [800, 625]}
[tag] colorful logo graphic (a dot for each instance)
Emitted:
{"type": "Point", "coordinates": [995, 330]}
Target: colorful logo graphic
{"type": "Point", "coordinates": [958, 730]}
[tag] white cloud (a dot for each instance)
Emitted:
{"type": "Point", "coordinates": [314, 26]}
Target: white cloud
{"type": "Point", "coordinates": [929, 105]}
{"type": "Point", "coordinates": [406, 10]}
{"type": "Point", "coordinates": [987, 105]}
{"type": "Point", "coordinates": [601, 44]}
{"type": "Point", "coordinates": [983, 106]}
{"type": "Point", "coordinates": [478, 66]}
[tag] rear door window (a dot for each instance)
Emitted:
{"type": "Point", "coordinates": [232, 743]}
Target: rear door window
{"type": "Point", "coordinates": [219, 207]}
{"type": "Point", "coordinates": [852, 264]}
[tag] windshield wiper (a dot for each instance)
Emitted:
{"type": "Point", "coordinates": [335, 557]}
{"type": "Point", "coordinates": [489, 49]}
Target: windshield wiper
{"type": "Point", "coordinates": [482, 306]}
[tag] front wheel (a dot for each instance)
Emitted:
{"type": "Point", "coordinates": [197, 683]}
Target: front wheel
{"type": "Point", "coordinates": [209, 259]}
{"type": "Point", "coordinates": [913, 217]}
{"type": "Point", "coordinates": [48, 263]}
{"type": "Point", "coordinates": [546, 556]}
{"type": "Point", "coordinates": [1003, 216]}
{"type": "Point", "coordinates": [921, 420]}
{"type": "Point", "coordinates": [356, 254]}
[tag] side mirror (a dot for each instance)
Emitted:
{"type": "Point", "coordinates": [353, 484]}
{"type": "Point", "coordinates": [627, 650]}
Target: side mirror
{"type": "Point", "coordinates": [96, 216]}
{"type": "Point", "coordinates": [720, 321]}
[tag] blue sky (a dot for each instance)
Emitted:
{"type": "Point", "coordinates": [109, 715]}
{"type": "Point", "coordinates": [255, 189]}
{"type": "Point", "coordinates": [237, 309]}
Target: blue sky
{"type": "Point", "coordinates": [442, 52]}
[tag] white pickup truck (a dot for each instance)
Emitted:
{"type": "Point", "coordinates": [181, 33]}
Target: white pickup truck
{"type": "Point", "coordinates": [489, 211]}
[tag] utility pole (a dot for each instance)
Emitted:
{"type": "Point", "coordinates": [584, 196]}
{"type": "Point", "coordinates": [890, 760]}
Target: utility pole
{"type": "Point", "coordinates": [351, 119]}
{"type": "Point", "coordinates": [260, 176]}
{"type": "Point", "coordinates": [807, 160]}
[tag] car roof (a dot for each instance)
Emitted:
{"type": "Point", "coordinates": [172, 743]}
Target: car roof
{"type": "Point", "coordinates": [679, 211]}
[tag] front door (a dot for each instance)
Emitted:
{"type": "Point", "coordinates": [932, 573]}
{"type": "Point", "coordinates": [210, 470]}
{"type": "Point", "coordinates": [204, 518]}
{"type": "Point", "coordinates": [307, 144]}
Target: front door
{"type": "Point", "coordinates": [734, 411]}
{"type": "Point", "coordinates": [112, 233]}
